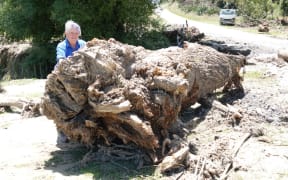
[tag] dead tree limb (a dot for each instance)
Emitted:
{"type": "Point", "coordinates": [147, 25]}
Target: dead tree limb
{"type": "Point", "coordinates": [235, 152]}
{"type": "Point", "coordinates": [28, 108]}
{"type": "Point", "coordinates": [13, 102]}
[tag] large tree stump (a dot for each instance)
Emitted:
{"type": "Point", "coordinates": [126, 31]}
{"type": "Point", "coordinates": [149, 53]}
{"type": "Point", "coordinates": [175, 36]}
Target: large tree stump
{"type": "Point", "coordinates": [110, 91]}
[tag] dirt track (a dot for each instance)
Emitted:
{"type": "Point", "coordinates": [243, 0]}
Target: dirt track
{"type": "Point", "coordinates": [29, 151]}
{"type": "Point", "coordinates": [260, 43]}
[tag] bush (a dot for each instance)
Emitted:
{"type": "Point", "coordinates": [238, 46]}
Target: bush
{"type": "Point", "coordinates": [34, 62]}
{"type": "Point", "coordinates": [39, 62]}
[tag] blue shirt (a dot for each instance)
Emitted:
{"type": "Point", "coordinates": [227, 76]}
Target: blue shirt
{"type": "Point", "coordinates": [64, 49]}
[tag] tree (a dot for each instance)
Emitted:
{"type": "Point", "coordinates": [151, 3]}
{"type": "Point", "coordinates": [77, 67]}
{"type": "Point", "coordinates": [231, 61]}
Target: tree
{"type": "Point", "coordinates": [254, 9]}
{"type": "Point", "coordinates": [42, 20]}
{"type": "Point", "coordinates": [284, 7]}
{"type": "Point", "coordinates": [26, 19]}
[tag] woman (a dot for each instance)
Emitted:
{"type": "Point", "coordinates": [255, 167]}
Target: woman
{"type": "Point", "coordinates": [71, 43]}
{"type": "Point", "coordinates": [65, 49]}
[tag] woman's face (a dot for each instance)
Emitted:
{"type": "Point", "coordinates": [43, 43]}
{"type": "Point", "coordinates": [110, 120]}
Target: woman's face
{"type": "Point", "coordinates": [72, 36]}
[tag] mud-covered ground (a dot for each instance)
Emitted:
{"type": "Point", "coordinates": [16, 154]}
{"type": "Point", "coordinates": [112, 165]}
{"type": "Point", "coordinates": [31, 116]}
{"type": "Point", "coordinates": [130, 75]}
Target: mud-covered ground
{"type": "Point", "coordinates": [265, 116]}
{"type": "Point", "coordinates": [29, 149]}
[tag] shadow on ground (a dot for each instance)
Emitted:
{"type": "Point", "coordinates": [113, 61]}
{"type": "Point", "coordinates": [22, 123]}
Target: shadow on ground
{"type": "Point", "coordinates": [75, 159]}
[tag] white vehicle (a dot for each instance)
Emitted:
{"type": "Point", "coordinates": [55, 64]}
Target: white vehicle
{"type": "Point", "coordinates": [227, 16]}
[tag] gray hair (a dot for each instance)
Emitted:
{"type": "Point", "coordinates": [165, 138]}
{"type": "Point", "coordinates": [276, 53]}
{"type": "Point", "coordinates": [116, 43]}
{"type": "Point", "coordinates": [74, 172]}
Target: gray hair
{"type": "Point", "coordinates": [72, 25]}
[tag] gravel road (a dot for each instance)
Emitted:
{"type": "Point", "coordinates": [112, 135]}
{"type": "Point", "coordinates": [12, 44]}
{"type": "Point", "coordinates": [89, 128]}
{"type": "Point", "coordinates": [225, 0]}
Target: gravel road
{"type": "Point", "coordinates": [260, 43]}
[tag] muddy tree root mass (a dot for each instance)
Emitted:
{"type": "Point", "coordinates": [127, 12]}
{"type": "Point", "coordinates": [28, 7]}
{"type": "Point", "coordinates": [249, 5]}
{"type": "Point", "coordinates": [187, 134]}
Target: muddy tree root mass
{"type": "Point", "coordinates": [110, 90]}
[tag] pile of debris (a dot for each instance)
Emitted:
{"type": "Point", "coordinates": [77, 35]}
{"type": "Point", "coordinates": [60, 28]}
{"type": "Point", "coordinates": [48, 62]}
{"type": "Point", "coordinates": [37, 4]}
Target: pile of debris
{"type": "Point", "coordinates": [179, 33]}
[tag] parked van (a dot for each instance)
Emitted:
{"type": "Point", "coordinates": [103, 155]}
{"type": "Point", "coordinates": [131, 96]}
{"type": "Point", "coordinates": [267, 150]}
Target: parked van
{"type": "Point", "coordinates": [227, 16]}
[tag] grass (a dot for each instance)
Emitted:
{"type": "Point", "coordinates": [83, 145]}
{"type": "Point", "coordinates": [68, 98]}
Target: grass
{"type": "Point", "coordinates": [173, 7]}
{"type": "Point", "coordinates": [254, 75]}
{"type": "Point", "coordinates": [259, 77]}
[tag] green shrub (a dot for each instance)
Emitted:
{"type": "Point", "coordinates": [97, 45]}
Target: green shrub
{"type": "Point", "coordinates": [37, 63]}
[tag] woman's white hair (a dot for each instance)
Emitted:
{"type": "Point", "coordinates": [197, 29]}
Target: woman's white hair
{"type": "Point", "coordinates": [72, 25]}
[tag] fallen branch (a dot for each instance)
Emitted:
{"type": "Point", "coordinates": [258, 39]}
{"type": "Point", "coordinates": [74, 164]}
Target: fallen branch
{"type": "Point", "coordinates": [28, 108]}
{"type": "Point", "coordinates": [227, 109]}
{"type": "Point", "coordinates": [202, 168]}
{"type": "Point", "coordinates": [173, 161]}
{"type": "Point", "coordinates": [13, 102]}
{"type": "Point", "coordinates": [236, 150]}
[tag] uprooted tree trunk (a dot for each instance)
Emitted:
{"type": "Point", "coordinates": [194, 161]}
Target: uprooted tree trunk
{"type": "Point", "coordinates": [110, 91]}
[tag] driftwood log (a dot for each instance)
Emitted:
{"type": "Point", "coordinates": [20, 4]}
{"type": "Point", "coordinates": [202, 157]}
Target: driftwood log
{"type": "Point", "coordinates": [28, 108]}
{"type": "Point", "coordinates": [221, 46]}
{"type": "Point", "coordinates": [109, 91]}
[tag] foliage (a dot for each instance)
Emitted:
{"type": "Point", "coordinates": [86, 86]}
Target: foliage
{"type": "Point", "coordinates": [42, 20]}
{"type": "Point", "coordinates": [284, 7]}
{"type": "Point", "coordinates": [221, 4]}
{"type": "Point", "coordinates": [200, 7]}
{"type": "Point", "coordinates": [22, 19]}
{"type": "Point", "coordinates": [36, 63]}
{"type": "Point", "coordinates": [153, 40]}
{"type": "Point", "coordinates": [255, 9]}
{"type": "Point", "coordinates": [251, 10]}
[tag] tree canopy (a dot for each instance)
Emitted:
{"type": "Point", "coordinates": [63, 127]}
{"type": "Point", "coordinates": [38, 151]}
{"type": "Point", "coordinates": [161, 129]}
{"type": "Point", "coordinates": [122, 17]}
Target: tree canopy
{"type": "Point", "coordinates": [42, 20]}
